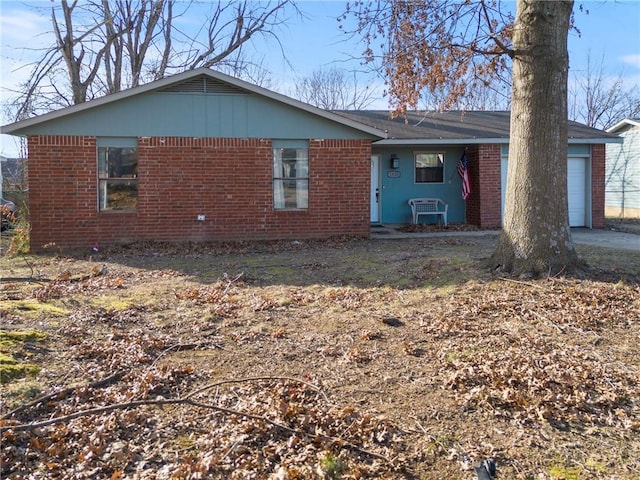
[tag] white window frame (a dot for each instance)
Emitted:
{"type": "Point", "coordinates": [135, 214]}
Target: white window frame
{"type": "Point", "coordinates": [291, 175]}
{"type": "Point", "coordinates": [107, 179]}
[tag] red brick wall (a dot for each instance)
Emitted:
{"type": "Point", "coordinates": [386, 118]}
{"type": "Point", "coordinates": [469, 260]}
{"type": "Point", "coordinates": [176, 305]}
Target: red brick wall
{"type": "Point", "coordinates": [484, 203]}
{"type": "Point", "coordinates": [597, 185]}
{"type": "Point", "coordinates": [62, 190]}
{"type": "Point", "coordinates": [227, 180]}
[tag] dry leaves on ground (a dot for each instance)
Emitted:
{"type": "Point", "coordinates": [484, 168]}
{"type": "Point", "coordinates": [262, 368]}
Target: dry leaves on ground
{"type": "Point", "coordinates": [251, 376]}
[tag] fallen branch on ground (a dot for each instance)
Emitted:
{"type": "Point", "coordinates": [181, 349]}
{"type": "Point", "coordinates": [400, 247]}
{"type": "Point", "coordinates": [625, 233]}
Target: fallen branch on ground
{"type": "Point", "coordinates": [254, 379]}
{"type": "Point", "coordinates": [58, 394]}
{"type": "Point", "coordinates": [188, 400]}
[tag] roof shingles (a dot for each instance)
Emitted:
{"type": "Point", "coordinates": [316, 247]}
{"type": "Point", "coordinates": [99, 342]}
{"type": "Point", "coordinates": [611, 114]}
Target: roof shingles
{"type": "Point", "coordinates": [470, 126]}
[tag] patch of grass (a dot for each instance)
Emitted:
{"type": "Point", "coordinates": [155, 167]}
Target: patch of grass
{"type": "Point", "coordinates": [11, 338]}
{"type": "Point", "coordinates": [441, 443]}
{"type": "Point", "coordinates": [455, 356]}
{"type": "Point", "coordinates": [21, 392]}
{"type": "Point", "coordinates": [112, 303]}
{"type": "Point", "coordinates": [10, 341]}
{"type": "Point", "coordinates": [330, 467]}
{"type": "Point", "coordinates": [33, 307]}
{"type": "Point", "coordinates": [562, 472]}
{"type": "Point", "coordinates": [185, 442]}
{"type": "Point", "coordinates": [11, 368]}
{"type": "Point", "coordinates": [597, 466]}
{"type": "Point", "coordinates": [623, 262]}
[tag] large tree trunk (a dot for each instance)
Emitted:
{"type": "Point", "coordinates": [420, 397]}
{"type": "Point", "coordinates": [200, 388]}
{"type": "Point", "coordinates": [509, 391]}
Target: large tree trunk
{"type": "Point", "coordinates": [536, 238]}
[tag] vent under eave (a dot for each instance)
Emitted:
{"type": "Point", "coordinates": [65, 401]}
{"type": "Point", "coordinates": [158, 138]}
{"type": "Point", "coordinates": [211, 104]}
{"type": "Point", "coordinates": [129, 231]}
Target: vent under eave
{"type": "Point", "coordinates": [203, 84]}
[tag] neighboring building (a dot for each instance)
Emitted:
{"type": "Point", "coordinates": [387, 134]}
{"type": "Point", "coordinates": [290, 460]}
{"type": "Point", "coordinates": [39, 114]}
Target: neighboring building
{"type": "Point", "coordinates": [2, 162]}
{"type": "Point", "coordinates": [13, 172]}
{"type": "Point", "coordinates": [622, 177]}
{"type": "Point", "coordinates": [201, 156]}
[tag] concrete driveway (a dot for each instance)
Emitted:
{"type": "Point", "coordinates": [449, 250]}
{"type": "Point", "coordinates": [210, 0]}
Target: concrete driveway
{"type": "Point", "coordinates": [581, 236]}
{"type": "Point", "coordinates": [606, 238]}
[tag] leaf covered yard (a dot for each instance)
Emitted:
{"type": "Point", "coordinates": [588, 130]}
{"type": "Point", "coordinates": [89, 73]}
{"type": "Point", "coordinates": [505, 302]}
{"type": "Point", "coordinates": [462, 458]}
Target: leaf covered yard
{"type": "Point", "coordinates": [337, 359]}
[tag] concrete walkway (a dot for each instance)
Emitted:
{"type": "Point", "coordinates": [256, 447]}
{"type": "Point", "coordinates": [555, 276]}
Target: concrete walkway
{"type": "Point", "coordinates": [581, 236]}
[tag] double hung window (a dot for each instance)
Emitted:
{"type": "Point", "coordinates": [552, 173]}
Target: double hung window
{"type": "Point", "coordinates": [117, 174]}
{"type": "Point", "coordinates": [290, 176]}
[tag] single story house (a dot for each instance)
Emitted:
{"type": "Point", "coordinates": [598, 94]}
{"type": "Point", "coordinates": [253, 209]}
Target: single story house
{"type": "Point", "coordinates": [622, 177]}
{"type": "Point", "coordinates": [202, 156]}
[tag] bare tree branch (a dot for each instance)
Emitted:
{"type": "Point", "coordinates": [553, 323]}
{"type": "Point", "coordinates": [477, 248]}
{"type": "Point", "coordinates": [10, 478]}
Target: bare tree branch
{"type": "Point", "coordinates": [67, 42]}
{"type": "Point", "coordinates": [58, 394]}
{"type": "Point", "coordinates": [599, 100]}
{"type": "Point", "coordinates": [107, 46]}
{"type": "Point", "coordinates": [332, 90]}
{"type": "Point", "coordinates": [247, 23]}
{"type": "Point", "coordinates": [189, 400]}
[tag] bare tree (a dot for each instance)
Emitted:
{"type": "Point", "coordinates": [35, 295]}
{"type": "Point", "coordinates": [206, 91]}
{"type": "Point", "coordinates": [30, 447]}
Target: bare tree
{"type": "Point", "coordinates": [105, 46]}
{"type": "Point", "coordinates": [451, 47]}
{"type": "Point", "coordinates": [599, 100]}
{"type": "Point", "coordinates": [73, 52]}
{"type": "Point", "coordinates": [334, 89]}
{"type": "Point", "coordinates": [243, 66]}
{"type": "Point", "coordinates": [131, 30]}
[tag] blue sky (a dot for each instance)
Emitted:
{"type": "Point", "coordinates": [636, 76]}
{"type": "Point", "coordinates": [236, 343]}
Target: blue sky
{"type": "Point", "coordinates": [610, 29]}
{"type": "Point", "coordinates": [609, 32]}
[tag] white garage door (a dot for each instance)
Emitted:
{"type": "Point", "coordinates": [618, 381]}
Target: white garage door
{"type": "Point", "coordinates": [577, 182]}
{"type": "Point", "coordinates": [577, 190]}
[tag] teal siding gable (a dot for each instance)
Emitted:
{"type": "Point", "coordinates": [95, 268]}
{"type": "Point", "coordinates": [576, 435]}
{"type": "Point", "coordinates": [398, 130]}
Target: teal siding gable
{"type": "Point", "coordinates": [163, 114]}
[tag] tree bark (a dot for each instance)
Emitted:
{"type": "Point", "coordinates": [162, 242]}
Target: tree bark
{"type": "Point", "coordinates": [536, 238]}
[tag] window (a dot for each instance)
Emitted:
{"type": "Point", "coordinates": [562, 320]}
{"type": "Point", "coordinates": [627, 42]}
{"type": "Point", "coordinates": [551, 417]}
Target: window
{"type": "Point", "coordinates": [429, 167]}
{"type": "Point", "coordinates": [290, 177]}
{"type": "Point", "coordinates": [117, 177]}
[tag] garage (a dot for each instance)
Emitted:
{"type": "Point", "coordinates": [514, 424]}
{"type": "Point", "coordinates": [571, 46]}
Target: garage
{"type": "Point", "coordinates": [577, 191]}
{"type": "Point", "coordinates": [577, 182]}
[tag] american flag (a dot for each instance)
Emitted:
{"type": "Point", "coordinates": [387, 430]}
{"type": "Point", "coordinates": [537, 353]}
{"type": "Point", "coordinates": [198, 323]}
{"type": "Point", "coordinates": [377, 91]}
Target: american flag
{"type": "Point", "coordinates": [463, 171]}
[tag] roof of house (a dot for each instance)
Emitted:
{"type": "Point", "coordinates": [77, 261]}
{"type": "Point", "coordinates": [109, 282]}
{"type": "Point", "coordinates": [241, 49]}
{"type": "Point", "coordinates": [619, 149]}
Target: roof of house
{"type": "Point", "coordinates": [233, 83]}
{"type": "Point", "coordinates": [457, 127]}
{"type": "Point", "coordinates": [627, 122]}
{"type": "Point", "coordinates": [426, 128]}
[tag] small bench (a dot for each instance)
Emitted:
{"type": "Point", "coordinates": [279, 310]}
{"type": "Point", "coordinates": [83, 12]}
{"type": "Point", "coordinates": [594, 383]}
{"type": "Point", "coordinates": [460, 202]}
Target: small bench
{"type": "Point", "coordinates": [428, 206]}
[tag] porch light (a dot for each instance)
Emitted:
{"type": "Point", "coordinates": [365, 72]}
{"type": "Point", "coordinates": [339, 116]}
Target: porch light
{"type": "Point", "coordinates": [395, 161]}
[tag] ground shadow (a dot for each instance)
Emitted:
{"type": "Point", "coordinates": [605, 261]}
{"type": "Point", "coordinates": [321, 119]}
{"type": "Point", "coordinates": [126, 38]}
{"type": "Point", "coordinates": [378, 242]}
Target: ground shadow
{"type": "Point", "coordinates": [402, 263]}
